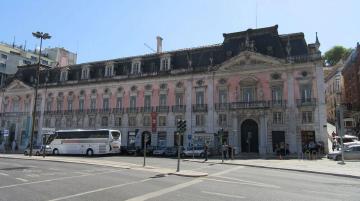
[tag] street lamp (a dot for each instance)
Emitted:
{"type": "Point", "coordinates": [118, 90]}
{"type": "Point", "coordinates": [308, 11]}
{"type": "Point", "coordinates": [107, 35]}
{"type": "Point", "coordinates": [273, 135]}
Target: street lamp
{"type": "Point", "coordinates": [42, 36]}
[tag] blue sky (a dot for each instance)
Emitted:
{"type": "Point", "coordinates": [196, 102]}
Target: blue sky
{"type": "Point", "coordinates": [107, 29]}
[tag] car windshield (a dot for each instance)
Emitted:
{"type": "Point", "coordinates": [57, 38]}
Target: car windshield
{"type": "Point", "coordinates": [115, 135]}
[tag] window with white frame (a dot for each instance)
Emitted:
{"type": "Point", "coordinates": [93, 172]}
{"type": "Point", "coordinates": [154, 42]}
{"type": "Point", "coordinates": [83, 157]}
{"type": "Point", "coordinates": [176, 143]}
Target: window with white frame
{"type": "Point", "coordinates": [147, 101]}
{"type": "Point", "coordinates": [70, 104]}
{"type": "Point", "coordinates": [222, 95]}
{"type": "Point", "coordinates": [109, 70]}
{"type": "Point", "coordinates": [93, 104]}
{"type": "Point", "coordinates": [179, 98]}
{"type": "Point", "coordinates": [63, 76]}
{"type": "Point", "coordinates": [306, 93]}
{"type": "Point", "coordinates": [105, 103]}
{"type": "Point", "coordinates": [200, 120]}
{"type": "Point", "coordinates": [222, 120]}
{"type": "Point", "coordinates": [200, 98]}
{"type": "Point", "coordinates": [248, 94]}
{"type": "Point", "coordinates": [118, 121]}
{"type": "Point", "coordinates": [277, 118]}
{"type": "Point", "coordinates": [162, 120]}
{"type": "Point", "coordinates": [276, 93]}
{"type": "Point", "coordinates": [163, 100]}
{"type": "Point", "coordinates": [59, 105]}
{"type": "Point", "coordinates": [85, 73]}
{"type": "Point", "coordinates": [135, 68]}
{"type": "Point", "coordinates": [307, 117]}
{"type": "Point", "coordinates": [119, 102]}
{"type": "Point", "coordinates": [165, 64]}
{"type": "Point", "coordinates": [81, 104]}
{"type": "Point", "coordinates": [16, 106]}
{"type": "Point", "coordinates": [133, 102]}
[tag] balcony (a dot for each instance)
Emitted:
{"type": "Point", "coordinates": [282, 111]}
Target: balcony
{"type": "Point", "coordinates": [200, 108]}
{"type": "Point", "coordinates": [278, 103]}
{"type": "Point", "coordinates": [249, 105]}
{"type": "Point", "coordinates": [179, 108]}
{"type": "Point", "coordinates": [147, 109]}
{"type": "Point", "coordinates": [163, 109]}
{"type": "Point", "coordinates": [91, 111]}
{"type": "Point", "coordinates": [80, 111]}
{"type": "Point", "coordinates": [104, 110]}
{"type": "Point", "coordinates": [132, 110]}
{"type": "Point", "coordinates": [118, 110]}
{"type": "Point", "coordinates": [306, 102]}
{"type": "Point", "coordinates": [221, 106]}
{"type": "Point", "coordinates": [68, 112]}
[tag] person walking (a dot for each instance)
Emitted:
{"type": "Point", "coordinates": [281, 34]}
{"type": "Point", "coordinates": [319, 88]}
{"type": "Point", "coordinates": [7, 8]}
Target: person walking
{"type": "Point", "coordinates": [206, 148]}
{"type": "Point", "coordinates": [225, 150]}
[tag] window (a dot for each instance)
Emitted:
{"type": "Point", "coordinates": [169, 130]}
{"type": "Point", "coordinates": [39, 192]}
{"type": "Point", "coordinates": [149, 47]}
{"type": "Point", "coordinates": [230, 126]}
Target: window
{"type": "Point", "coordinates": [59, 105]}
{"type": "Point", "coordinates": [147, 121]}
{"type": "Point", "coordinates": [3, 65]}
{"type": "Point", "coordinates": [119, 102]}
{"type": "Point", "coordinates": [58, 122]}
{"type": "Point", "coordinates": [118, 121]}
{"type": "Point", "coordinates": [161, 139]}
{"type": "Point", "coordinates": [162, 120]}
{"type": "Point", "coordinates": [33, 58]}
{"type": "Point", "coordinates": [200, 98]}
{"type": "Point", "coordinates": [222, 96]}
{"type": "Point", "coordinates": [48, 123]}
{"type": "Point", "coordinates": [91, 121]}
{"type": "Point", "coordinates": [307, 117]}
{"type": "Point", "coordinates": [163, 100]}
{"type": "Point", "coordinates": [109, 71]}
{"type": "Point", "coordinates": [147, 101]}
{"type": "Point", "coordinates": [48, 105]}
{"type": "Point", "coordinates": [165, 64]}
{"type": "Point", "coordinates": [276, 94]}
{"type": "Point", "coordinates": [222, 120]}
{"type": "Point", "coordinates": [104, 121]}
{"type": "Point", "coordinates": [81, 104]}
{"type": "Point", "coordinates": [93, 104]}
{"type": "Point", "coordinates": [133, 102]}
{"type": "Point", "coordinates": [200, 120]}
{"type": "Point", "coordinates": [337, 85]}
{"type": "Point", "coordinates": [135, 67]}
{"type": "Point", "coordinates": [85, 73]}
{"type": "Point", "coordinates": [305, 93]}
{"type": "Point", "coordinates": [63, 76]}
{"type": "Point", "coordinates": [277, 118]}
{"type": "Point", "coordinates": [132, 121]}
{"type": "Point", "coordinates": [248, 94]}
{"type": "Point", "coordinates": [106, 103]}
{"type": "Point", "coordinates": [70, 105]}
{"type": "Point", "coordinates": [179, 99]}
{"type": "Point", "coordinates": [4, 56]}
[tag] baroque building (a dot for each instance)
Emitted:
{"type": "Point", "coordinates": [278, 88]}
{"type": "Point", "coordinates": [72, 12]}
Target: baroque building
{"type": "Point", "coordinates": [262, 88]}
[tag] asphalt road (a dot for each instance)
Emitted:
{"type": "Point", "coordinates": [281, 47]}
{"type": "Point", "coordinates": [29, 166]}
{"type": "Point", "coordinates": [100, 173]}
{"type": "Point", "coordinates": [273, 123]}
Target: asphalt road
{"type": "Point", "coordinates": [29, 180]}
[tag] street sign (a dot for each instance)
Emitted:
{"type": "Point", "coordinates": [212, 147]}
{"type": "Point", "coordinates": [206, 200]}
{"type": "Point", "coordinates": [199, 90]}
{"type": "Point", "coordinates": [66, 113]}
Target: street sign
{"type": "Point", "coordinates": [6, 133]}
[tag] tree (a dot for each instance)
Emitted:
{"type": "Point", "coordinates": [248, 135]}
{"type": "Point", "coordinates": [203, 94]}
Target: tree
{"type": "Point", "coordinates": [336, 53]}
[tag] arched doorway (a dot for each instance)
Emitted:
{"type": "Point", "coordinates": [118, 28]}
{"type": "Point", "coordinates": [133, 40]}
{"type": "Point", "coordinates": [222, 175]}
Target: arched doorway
{"type": "Point", "coordinates": [249, 136]}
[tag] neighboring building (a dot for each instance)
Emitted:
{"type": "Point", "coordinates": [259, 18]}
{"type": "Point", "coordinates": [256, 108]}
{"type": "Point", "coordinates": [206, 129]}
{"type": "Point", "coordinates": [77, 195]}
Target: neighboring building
{"type": "Point", "coordinates": [351, 74]}
{"type": "Point", "coordinates": [264, 89]}
{"type": "Point", "coordinates": [334, 93]}
{"type": "Point", "coordinates": [12, 56]}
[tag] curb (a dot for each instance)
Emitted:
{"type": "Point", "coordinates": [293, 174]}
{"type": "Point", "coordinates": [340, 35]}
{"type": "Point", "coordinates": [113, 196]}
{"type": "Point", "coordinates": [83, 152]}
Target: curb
{"type": "Point", "coordinates": [278, 168]}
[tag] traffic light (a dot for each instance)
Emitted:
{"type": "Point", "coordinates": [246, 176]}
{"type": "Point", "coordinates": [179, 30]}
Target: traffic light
{"type": "Point", "coordinates": [181, 125]}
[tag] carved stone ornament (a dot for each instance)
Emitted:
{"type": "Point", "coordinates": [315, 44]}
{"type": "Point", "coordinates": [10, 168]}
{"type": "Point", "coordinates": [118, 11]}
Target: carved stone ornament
{"type": "Point", "coordinates": [133, 88]}
{"type": "Point", "coordinates": [179, 85]}
{"type": "Point", "coordinates": [222, 81]}
{"type": "Point", "coordinates": [163, 86]}
{"type": "Point", "coordinates": [119, 89]}
{"type": "Point", "coordinates": [275, 76]}
{"type": "Point", "coordinates": [200, 82]}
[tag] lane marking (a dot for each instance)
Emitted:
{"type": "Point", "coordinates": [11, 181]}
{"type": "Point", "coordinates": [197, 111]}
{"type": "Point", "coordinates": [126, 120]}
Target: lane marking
{"type": "Point", "coordinates": [227, 171]}
{"type": "Point", "coordinates": [21, 179]}
{"type": "Point", "coordinates": [165, 191]}
{"type": "Point", "coordinates": [327, 193]}
{"type": "Point", "coordinates": [99, 189]}
{"type": "Point", "coordinates": [224, 195]}
{"type": "Point", "coordinates": [3, 174]}
{"type": "Point", "coordinates": [244, 183]}
{"type": "Point", "coordinates": [249, 182]}
{"type": "Point", "coordinates": [57, 179]}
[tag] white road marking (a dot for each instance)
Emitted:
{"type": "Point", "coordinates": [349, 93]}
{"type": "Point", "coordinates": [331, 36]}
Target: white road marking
{"type": "Point", "coordinates": [21, 179]}
{"type": "Point", "coordinates": [250, 182]}
{"type": "Point", "coordinates": [57, 179]}
{"type": "Point", "coordinates": [56, 169]}
{"type": "Point", "coordinates": [245, 183]}
{"type": "Point", "coordinates": [327, 193]}
{"type": "Point", "coordinates": [3, 174]}
{"type": "Point", "coordinates": [33, 175]}
{"type": "Point", "coordinates": [224, 195]}
{"type": "Point", "coordinates": [165, 191]}
{"type": "Point", "coordinates": [227, 171]}
{"type": "Point", "coordinates": [98, 190]}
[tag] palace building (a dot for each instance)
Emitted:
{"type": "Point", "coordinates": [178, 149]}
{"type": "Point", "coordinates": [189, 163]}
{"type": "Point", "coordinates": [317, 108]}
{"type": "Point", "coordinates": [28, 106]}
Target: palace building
{"type": "Point", "coordinates": [262, 88]}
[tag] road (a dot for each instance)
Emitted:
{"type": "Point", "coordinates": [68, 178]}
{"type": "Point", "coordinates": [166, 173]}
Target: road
{"type": "Point", "coordinates": [30, 180]}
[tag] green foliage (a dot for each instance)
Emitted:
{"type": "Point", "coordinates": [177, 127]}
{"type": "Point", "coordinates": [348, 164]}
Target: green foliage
{"type": "Point", "coordinates": [336, 53]}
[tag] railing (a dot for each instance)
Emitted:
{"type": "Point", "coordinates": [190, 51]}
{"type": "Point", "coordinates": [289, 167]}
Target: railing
{"type": "Point", "coordinates": [147, 109]}
{"type": "Point", "coordinates": [118, 110]}
{"type": "Point", "coordinates": [221, 106]}
{"type": "Point", "coordinates": [200, 108]}
{"type": "Point", "coordinates": [91, 111]}
{"type": "Point", "coordinates": [249, 104]}
{"type": "Point", "coordinates": [179, 108]}
{"type": "Point", "coordinates": [162, 109]}
{"type": "Point", "coordinates": [104, 110]}
{"type": "Point", "coordinates": [306, 102]}
{"type": "Point", "coordinates": [68, 112]}
{"type": "Point", "coordinates": [278, 103]}
{"type": "Point", "coordinates": [132, 110]}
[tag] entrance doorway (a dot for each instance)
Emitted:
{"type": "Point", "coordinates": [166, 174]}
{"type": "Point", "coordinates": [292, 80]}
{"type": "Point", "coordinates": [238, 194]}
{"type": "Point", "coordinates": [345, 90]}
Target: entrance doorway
{"type": "Point", "coordinates": [278, 140]}
{"type": "Point", "coordinates": [249, 136]}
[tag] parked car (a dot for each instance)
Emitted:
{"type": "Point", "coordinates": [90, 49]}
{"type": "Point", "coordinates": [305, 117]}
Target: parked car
{"type": "Point", "coordinates": [196, 151]}
{"type": "Point", "coordinates": [159, 151]}
{"type": "Point", "coordinates": [38, 150]}
{"type": "Point", "coordinates": [350, 153]}
{"type": "Point", "coordinates": [173, 151]}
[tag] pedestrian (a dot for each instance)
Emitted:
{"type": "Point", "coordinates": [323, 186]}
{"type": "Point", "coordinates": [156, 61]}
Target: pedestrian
{"type": "Point", "coordinates": [225, 150]}
{"type": "Point", "coordinates": [206, 151]}
{"type": "Point", "coordinates": [13, 145]}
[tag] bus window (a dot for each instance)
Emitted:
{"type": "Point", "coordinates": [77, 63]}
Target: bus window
{"type": "Point", "coordinates": [115, 135]}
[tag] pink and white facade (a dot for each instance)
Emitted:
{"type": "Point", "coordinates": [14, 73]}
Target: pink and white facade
{"type": "Point", "coordinates": [262, 88]}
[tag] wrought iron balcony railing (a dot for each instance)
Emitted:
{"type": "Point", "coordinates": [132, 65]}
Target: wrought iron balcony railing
{"type": "Point", "coordinates": [249, 105]}
{"type": "Point", "coordinates": [306, 102]}
{"type": "Point", "coordinates": [147, 109]}
{"type": "Point", "coordinates": [163, 109]}
{"type": "Point", "coordinates": [222, 106]}
{"type": "Point", "coordinates": [200, 108]}
{"type": "Point", "coordinates": [179, 108]}
{"type": "Point", "coordinates": [132, 110]}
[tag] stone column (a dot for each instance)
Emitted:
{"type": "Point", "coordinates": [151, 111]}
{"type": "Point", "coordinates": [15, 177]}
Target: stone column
{"type": "Point", "coordinates": [322, 135]}
{"type": "Point", "coordinates": [291, 136]}
{"type": "Point", "coordinates": [188, 115]}
{"type": "Point", "coordinates": [210, 102]}
{"type": "Point", "coordinates": [235, 140]}
{"type": "Point", "coordinates": [263, 135]}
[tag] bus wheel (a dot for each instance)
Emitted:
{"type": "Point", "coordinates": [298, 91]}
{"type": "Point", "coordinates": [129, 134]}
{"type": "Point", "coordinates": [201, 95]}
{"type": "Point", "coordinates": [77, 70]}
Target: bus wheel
{"type": "Point", "coordinates": [56, 152]}
{"type": "Point", "coordinates": [89, 152]}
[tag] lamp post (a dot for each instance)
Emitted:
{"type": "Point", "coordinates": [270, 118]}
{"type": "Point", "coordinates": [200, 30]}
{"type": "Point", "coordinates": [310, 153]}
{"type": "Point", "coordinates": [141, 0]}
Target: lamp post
{"type": "Point", "coordinates": [42, 36]}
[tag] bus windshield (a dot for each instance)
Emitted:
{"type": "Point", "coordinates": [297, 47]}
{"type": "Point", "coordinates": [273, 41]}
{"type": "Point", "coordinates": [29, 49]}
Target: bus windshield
{"type": "Point", "coordinates": [115, 135]}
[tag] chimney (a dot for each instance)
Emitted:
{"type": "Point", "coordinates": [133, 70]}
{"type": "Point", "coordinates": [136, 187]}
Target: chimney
{"type": "Point", "coordinates": [159, 44]}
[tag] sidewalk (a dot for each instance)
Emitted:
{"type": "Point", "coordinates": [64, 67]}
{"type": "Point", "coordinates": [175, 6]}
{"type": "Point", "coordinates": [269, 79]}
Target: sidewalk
{"type": "Point", "coordinates": [322, 166]}
{"type": "Point", "coordinates": [107, 163]}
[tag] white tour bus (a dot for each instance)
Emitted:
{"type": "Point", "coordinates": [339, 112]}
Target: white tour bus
{"type": "Point", "coordinates": [89, 142]}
